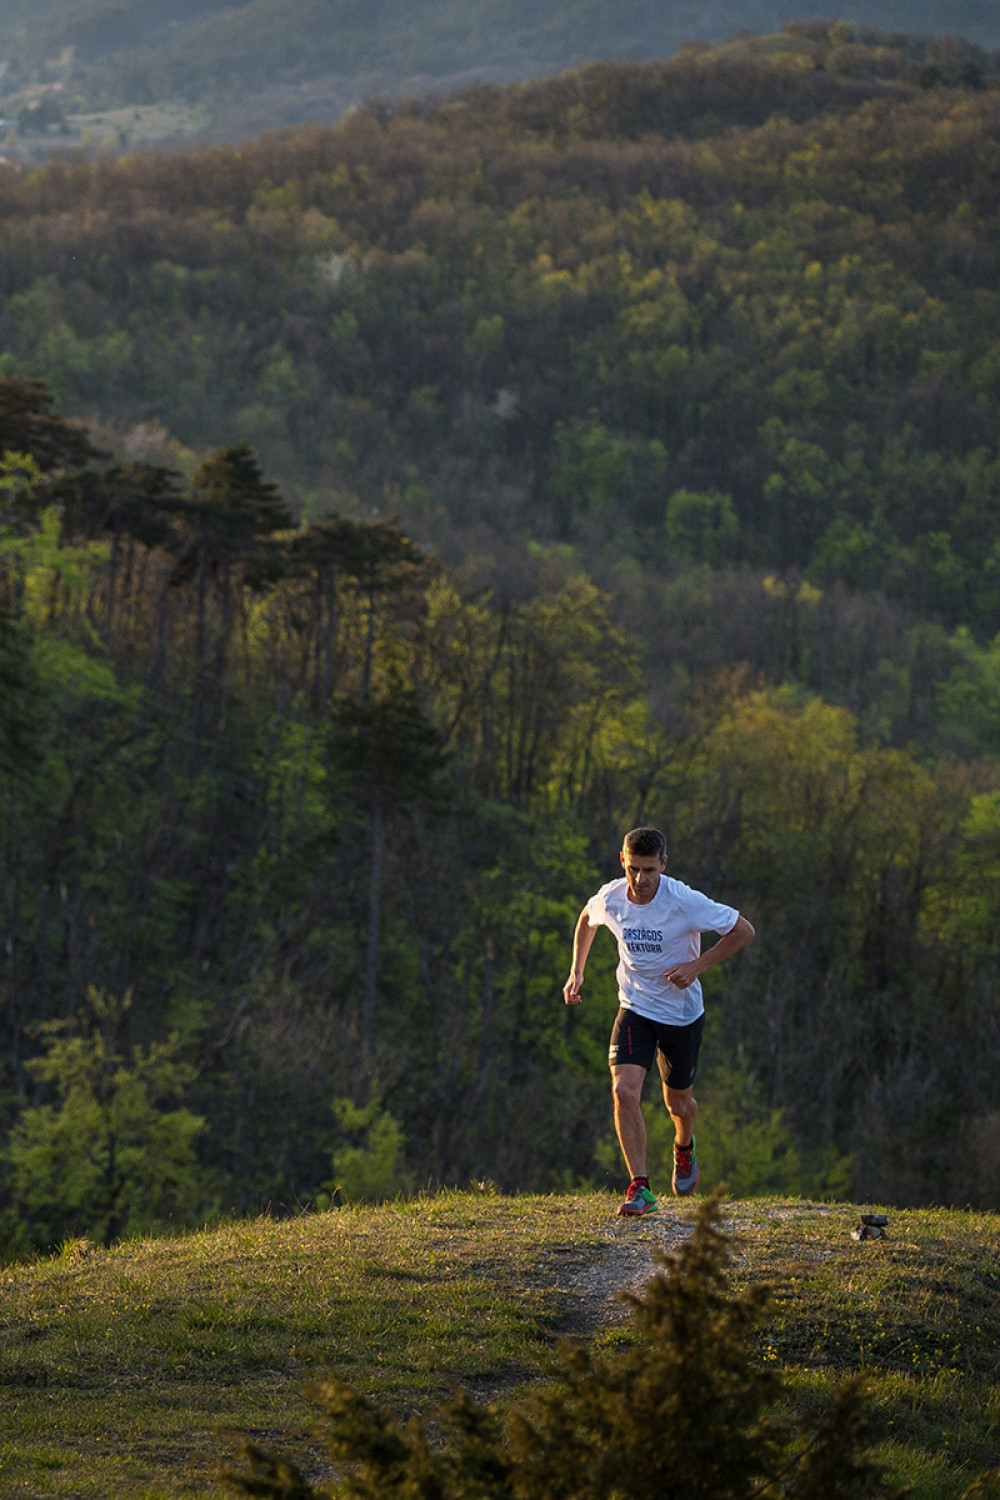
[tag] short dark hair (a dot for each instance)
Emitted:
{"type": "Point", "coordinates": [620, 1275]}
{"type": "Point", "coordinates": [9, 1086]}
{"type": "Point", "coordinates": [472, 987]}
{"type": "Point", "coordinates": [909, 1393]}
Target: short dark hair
{"type": "Point", "coordinates": [646, 842]}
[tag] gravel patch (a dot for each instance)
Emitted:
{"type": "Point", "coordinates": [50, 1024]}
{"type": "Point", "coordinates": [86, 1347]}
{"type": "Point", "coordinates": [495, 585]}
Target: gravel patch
{"type": "Point", "coordinates": [627, 1260]}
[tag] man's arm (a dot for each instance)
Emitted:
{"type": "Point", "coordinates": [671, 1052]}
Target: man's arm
{"type": "Point", "coordinates": [582, 939]}
{"type": "Point", "coordinates": [736, 938]}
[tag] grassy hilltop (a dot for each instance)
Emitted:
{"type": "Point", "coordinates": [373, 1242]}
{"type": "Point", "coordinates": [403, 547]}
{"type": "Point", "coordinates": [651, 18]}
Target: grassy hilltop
{"type": "Point", "coordinates": [138, 1370]}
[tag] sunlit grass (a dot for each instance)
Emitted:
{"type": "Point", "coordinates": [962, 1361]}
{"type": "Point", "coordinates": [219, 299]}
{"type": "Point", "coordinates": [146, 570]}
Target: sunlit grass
{"type": "Point", "coordinates": [917, 1312]}
{"type": "Point", "coordinates": [125, 1364]}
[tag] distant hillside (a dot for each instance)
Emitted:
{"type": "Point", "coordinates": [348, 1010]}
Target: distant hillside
{"type": "Point", "coordinates": [17, 15]}
{"type": "Point", "coordinates": [267, 63]}
{"type": "Point", "coordinates": [551, 286]}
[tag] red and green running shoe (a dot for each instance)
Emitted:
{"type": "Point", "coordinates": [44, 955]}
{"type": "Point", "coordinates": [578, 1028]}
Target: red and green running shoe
{"type": "Point", "coordinates": [638, 1201]}
{"type": "Point", "coordinates": [686, 1172]}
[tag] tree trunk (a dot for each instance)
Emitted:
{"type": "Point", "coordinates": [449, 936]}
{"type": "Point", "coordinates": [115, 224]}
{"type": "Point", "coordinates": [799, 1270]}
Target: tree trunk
{"type": "Point", "coordinates": [481, 1087]}
{"type": "Point", "coordinates": [374, 924]}
{"type": "Point", "coordinates": [202, 589]}
{"type": "Point", "coordinates": [366, 676]}
{"type": "Point", "coordinates": [329, 635]}
{"type": "Point", "coordinates": [160, 654]}
{"type": "Point", "coordinates": [109, 618]}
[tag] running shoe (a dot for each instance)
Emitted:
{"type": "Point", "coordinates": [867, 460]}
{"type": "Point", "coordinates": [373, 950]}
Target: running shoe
{"type": "Point", "coordinates": [686, 1172]}
{"type": "Point", "coordinates": [638, 1201]}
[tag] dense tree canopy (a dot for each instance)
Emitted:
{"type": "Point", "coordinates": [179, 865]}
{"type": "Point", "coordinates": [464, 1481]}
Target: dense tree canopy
{"type": "Point", "coordinates": [763, 274]}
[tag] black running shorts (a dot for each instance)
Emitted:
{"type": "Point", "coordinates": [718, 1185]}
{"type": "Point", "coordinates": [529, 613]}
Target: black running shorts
{"type": "Point", "coordinates": [636, 1039]}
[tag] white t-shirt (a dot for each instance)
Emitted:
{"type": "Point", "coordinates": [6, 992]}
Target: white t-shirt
{"type": "Point", "coordinates": [654, 936]}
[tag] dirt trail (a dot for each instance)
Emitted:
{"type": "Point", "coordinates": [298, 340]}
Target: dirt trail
{"type": "Point", "coordinates": [628, 1258]}
{"type": "Point", "coordinates": [627, 1261]}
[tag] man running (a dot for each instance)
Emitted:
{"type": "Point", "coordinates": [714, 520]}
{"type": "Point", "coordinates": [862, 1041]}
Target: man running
{"type": "Point", "coordinates": [658, 924]}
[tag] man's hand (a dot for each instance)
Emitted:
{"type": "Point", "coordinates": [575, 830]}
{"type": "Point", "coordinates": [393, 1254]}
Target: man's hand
{"type": "Point", "coordinates": [736, 938]}
{"type": "Point", "coordinates": [571, 989]}
{"type": "Point", "coordinates": [582, 939]}
{"type": "Point", "coordinates": [681, 975]}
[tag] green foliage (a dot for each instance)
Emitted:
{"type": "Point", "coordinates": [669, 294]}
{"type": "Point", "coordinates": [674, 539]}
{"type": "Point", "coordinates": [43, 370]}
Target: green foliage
{"type": "Point", "coordinates": [341, 799]}
{"type": "Point", "coordinates": [703, 527]}
{"type": "Point", "coordinates": [29, 429]}
{"type": "Point", "coordinates": [743, 1144]}
{"type": "Point", "coordinates": [107, 1158]}
{"type": "Point", "coordinates": [687, 1410]}
{"type": "Point", "coordinates": [368, 1161]}
{"type": "Point", "coordinates": [231, 496]}
{"type": "Point", "coordinates": [20, 476]}
{"type": "Point", "coordinates": [384, 744]}
{"type": "Point", "coordinates": [602, 479]}
{"type": "Point", "coordinates": [18, 698]}
{"type": "Point", "coordinates": [969, 700]}
{"type": "Point", "coordinates": [566, 306]}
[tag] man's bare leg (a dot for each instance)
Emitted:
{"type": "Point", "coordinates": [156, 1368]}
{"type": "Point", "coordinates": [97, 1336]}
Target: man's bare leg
{"type": "Point", "coordinates": [627, 1080]}
{"type": "Point", "coordinates": [682, 1107]}
{"type": "Point", "coordinates": [683, 1110]}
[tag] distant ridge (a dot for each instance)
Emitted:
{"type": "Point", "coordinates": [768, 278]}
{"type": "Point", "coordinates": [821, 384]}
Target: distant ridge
{"type": "Point", "coordinates": [248, 66]}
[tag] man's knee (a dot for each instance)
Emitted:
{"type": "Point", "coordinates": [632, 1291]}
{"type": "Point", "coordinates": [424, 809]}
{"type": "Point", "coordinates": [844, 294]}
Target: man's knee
{"type": "Point", "coordinates": [681, 1102]}
{"type": "Point", "coordinates": [626, 1085]}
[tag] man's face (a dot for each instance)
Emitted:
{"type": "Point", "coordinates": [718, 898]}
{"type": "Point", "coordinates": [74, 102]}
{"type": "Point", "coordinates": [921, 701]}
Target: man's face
{"type": "Point", "coordinates": [642, 871]}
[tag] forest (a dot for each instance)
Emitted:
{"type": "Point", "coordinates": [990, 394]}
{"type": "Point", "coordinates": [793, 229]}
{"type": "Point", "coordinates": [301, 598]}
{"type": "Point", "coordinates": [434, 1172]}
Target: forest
{"type": "Point", "coordinates": [393, 514]}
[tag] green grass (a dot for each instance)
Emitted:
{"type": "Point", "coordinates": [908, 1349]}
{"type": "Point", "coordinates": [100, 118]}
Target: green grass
{"type": "Point", "coordinates": [918, 1312]}
{"type": "Point", "coordinates": [137, 1370]}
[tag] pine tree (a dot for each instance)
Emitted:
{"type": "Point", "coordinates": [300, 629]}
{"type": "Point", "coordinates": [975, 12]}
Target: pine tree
{"type": "Point", "coordinates": [234, 513]}
{"type": "Point", "coordinates": [389, 757]}
{"type": "Point", "coordinates": [108, 1156]}
{"type": "Point", "coordinates": [27, 425]}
